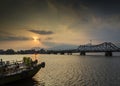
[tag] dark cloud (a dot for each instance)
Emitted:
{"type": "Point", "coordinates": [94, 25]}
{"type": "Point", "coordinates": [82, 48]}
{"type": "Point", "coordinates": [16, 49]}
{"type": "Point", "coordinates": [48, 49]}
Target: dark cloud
{"type": "Point", "coordinates": [53, 45]}
{"type": "Point", "coordinates": [42, 32]}
{"type": "Point", "coordinates": [99, 6]}
{"type": "Point", "coordinates": [13, 38]}
{"type": "Point", "coordinates": [7, 36]}
{"type": "Point", "coordinates": [49, 38]}
{"type": "Point", "coordinates": [14, 11]}
{"type": "Point", "coordinates": [12, 7]}
{"type": "Point", "coordinates": [4, 33]}
{"type": "Point", "coordinates": [17, 10]}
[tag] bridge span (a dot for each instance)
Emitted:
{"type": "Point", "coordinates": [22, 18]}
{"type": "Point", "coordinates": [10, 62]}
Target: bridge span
{"type": "Point", "coordinates": [106, 47]}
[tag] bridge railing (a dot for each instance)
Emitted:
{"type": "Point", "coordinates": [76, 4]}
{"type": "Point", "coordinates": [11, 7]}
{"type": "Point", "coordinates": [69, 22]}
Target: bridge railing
{"type": "Point", "coordinates": [107, 46]}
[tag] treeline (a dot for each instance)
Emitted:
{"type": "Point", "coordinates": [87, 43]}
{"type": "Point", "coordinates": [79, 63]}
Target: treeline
{"type": "Point", "coordinates": [32, 51]}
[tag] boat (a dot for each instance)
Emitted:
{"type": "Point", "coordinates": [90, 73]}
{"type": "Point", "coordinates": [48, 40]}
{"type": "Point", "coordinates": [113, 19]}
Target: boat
{"type": "Point", "coordinates": [19, 70]}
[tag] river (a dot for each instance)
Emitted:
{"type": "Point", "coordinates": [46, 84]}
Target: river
{"type": "Point", "coordinates": [73, 70]}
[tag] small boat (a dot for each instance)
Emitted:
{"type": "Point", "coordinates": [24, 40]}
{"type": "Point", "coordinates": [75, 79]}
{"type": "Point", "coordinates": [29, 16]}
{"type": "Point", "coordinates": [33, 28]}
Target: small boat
{"type": "Point", "coordinates": [14, 71]}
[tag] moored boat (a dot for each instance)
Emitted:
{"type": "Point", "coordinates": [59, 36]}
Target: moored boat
{"type": "Point", "coordinates": [10, 72]}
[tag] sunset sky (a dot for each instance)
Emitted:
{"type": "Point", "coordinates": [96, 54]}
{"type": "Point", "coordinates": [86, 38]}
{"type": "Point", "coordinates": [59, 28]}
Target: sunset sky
{"type": "Point", "coordinates": [25, 24]}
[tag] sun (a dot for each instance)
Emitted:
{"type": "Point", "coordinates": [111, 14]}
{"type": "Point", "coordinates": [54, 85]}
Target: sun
{"type": "Point", "coordinates": [35, 39]}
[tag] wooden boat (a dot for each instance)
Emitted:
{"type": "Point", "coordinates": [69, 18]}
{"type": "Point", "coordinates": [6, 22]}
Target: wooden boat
{"type": "Point", "coordinates": [18, 71]}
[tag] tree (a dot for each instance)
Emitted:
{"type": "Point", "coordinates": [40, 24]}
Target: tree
{"type": "Point", "coordinates": [2, 51]}
{"type": "Point", "coordinates": [9, 51]}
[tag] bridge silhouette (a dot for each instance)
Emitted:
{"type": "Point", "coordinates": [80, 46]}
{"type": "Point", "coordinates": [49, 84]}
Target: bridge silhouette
{"type": "Point", "coordinates": [106, 47]}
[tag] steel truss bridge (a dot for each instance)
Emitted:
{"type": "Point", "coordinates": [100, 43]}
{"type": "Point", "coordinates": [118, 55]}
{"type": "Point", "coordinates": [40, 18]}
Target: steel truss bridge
{"type": "Point", "coordinates": [106, 47]}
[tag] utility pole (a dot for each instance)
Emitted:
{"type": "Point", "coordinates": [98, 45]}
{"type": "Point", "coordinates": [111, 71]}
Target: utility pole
{"type": "Point", "coordinates": [90, 42]}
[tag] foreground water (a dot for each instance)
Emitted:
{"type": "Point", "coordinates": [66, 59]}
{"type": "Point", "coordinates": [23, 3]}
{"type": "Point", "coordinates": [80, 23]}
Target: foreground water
{"type": "Point", "coordinates": [73, 70]}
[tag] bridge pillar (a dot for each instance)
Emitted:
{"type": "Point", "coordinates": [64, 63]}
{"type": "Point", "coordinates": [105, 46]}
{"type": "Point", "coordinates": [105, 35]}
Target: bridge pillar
{"type": "Point", "coordinates": [69, 53]}
{"type": "Point", "coordinates": [62, 53]}
{"type": "Point", "coordinates": [82, 53]}
{"type": "Point", "coordinates": [55, 53]}
{"type": "Point", "coordinates": [108, 53]}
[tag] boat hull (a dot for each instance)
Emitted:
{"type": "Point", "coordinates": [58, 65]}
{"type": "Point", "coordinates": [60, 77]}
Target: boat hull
{"type": "Point", "coordinates": [29, 73]}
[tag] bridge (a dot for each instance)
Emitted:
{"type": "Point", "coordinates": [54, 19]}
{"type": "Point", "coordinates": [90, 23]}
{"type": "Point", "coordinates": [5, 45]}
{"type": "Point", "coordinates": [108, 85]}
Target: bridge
{"type": "Point", "coordinates": [106, 47]}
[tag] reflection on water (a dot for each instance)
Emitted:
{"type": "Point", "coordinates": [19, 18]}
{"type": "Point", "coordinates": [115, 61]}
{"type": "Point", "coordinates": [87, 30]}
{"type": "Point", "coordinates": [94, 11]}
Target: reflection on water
{"type": "Point", "coordinates": [75, 70]}
{"type": "Point", "coordinates": [26, 82]}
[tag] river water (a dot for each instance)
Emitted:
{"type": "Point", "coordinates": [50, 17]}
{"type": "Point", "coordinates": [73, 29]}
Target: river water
{"type": "Point", "coordinates": [73, 70]}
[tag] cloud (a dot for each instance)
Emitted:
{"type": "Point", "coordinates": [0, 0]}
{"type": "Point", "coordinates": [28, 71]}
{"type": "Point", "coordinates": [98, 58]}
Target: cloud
{"type": "Point", "coordinates": [49, 38]}
{"type": "Point", "coordinates": [63, 20]}
{"type": "Point", "coordinates": [41, 32]}
{"type": "Point", "coordinates": [8, 36]}
{"type": "Point", "coordinates": [13, 38]}
{"type": "Point", "coordinates": [53, 45]}
{"type": "Point", "coordinates": [4, 33]}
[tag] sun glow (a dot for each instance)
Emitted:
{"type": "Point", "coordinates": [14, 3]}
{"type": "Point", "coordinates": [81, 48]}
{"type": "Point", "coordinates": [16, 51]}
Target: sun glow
{"type": "Point", "coordinates": [35, 39]}
{"type": "Point", "coordinates": [36, 42]}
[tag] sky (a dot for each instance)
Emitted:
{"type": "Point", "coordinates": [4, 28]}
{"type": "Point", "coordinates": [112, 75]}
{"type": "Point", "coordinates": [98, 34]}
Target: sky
{"type": "Point", "coordinates": [25, 24]}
